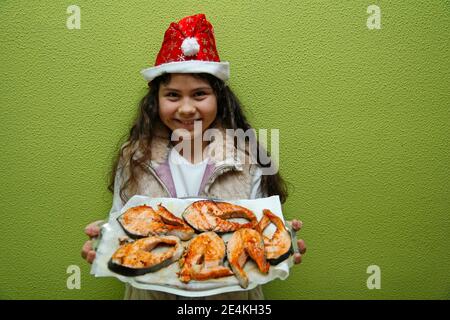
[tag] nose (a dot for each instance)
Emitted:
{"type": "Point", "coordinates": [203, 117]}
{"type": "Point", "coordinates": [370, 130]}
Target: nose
{"type": "Point", "coordinates": [187, 108]}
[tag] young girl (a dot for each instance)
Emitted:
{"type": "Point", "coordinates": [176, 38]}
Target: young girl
{"type": "Point", "coordinates": [187, 96]}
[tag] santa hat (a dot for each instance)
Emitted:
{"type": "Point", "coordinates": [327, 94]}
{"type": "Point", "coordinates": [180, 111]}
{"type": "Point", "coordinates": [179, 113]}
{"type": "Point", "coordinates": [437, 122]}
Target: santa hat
{"type": "Point", "coordinates": [189, 47]}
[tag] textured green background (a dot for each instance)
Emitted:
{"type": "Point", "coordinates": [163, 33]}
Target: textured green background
{"type": "Point", "coordinates": [363, 116]}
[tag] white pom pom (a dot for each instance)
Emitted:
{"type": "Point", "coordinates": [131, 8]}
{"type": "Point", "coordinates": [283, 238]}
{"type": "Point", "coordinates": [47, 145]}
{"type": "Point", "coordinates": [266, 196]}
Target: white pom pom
{"type": "Point", "coordinates": [190, 47]}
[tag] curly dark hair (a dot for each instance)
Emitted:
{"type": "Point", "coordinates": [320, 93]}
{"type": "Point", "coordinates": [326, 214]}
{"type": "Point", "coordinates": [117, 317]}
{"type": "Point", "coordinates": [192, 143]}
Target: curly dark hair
{"type": "Point", "coordinates": [229, 114]}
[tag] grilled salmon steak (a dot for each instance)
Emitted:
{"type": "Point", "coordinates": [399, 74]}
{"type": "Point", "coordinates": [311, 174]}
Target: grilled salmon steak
{"type": "Point", "coordinates": [278, 247]}
{"type": "Point", "coordinates": [143, 221]}
{"type": "Point", "coordinates": [203, 259]}
{"type": "Point", "coordinates": [146, 255]}
{"type": "Point", "coordinates": [246, 243]}
{"type": "Point", "coordinates": [208, 215]}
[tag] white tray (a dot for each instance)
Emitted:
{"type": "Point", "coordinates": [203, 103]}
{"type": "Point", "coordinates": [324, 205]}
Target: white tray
{"type": "Point", "coordinates": [166, 279]}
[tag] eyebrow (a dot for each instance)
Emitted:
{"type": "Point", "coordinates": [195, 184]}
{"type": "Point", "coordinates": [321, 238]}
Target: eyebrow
{"type": "Point", "coordinates": [173, 89]}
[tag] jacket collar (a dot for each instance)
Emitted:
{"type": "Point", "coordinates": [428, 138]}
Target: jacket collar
{"type": "Point", "coordinates": [221, 151]}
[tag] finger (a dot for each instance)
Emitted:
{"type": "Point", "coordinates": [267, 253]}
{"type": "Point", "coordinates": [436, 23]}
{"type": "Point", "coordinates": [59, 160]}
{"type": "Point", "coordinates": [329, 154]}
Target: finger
{"type": "Point", "coordinates": [91, 256]}
{"type": "Point", "coordinates": [297, 258]}
{"type": "Point", "coordinates": [296, 225]}
{"type": "Point", "coordinates": [301, 246]}
{"type": "Point", "coordinates": [93, 229]}
{"type": "Point", "coordinates": [86, 248]}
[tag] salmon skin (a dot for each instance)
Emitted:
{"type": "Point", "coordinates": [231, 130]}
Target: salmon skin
{"type": "Point", "coordinates": [208, 215]}
{"type": "Point", "coordinates": [143, 221]}
{"type": "Point", "coordinates": [140, 257]}
{"type": "Point", "coordinates": [203, 259]}
{"type": "Point", "coordinates": [278, 247]}
{"type": "Point", "coordinates": [246, 243]}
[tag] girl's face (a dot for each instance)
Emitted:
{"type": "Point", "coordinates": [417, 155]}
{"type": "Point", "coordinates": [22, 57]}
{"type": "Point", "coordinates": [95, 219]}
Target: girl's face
{"type": "Point", "coordinates": [185, 100]}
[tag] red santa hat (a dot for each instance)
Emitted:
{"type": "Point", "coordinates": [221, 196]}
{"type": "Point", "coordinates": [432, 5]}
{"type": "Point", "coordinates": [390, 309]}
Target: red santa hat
{"type": "Point", "coordinates": [189, 47]}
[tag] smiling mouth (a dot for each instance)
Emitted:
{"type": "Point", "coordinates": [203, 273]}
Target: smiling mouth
{"type": "Point", "coordinates": [187, 122]}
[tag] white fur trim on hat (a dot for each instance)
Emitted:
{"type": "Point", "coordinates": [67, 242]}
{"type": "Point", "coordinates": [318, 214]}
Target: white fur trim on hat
{"type": "Point", "coordinates": [219, 69]}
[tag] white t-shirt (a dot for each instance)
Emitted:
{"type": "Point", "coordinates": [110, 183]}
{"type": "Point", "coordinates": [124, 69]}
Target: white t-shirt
{"type": "Point", "coordinates": [187, 177]}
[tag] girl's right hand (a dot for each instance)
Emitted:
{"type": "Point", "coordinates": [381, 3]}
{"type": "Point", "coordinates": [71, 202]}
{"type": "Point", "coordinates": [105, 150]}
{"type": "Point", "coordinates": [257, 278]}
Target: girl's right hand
{"type": "Point", "coordinates": [92, 230]}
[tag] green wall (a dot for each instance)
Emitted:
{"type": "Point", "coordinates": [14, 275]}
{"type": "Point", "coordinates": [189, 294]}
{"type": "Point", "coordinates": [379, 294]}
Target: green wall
{"type": "Point", "coordinates": [363, 117]}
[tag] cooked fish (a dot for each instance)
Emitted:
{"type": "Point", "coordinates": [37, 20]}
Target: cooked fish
{"type": "Point", "coordinates": [142, 221]}
{"type": "Point", "coordinates": [207, 215]}
{"type": "Point", "coordinates": [278, 247]}
{"type": "Point", "coordinates": [203, 259]}
{"type": "Point", "coordinates": [246, 243]}
{"type": "Point", "coordinates": [146, 255]}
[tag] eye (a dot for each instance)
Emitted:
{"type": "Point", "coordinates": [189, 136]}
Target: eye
{"type": "Point", "coordinates": [200, 93]}
{"type": "Point", "coordinates": [171, 94]}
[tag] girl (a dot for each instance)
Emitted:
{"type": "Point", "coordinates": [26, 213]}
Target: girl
{"type": "Point", "coordinates": [187, 96]}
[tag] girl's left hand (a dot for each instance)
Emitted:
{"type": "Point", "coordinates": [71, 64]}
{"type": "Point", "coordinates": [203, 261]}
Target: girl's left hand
{"type": "Point", "coordinates": [296, 226]}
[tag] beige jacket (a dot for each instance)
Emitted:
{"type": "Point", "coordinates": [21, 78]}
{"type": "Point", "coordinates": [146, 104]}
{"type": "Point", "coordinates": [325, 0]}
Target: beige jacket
{"type": "Point", "coordinates": [228, 175]}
